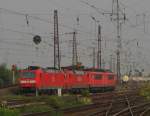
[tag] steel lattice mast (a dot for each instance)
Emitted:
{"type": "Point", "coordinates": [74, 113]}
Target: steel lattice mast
{"type": "Point", "coordinates": [56, 42]}
{"type": "Point", "coordinates": [74, 50]}
{"type": "Point", "coordinates": [99, 59]}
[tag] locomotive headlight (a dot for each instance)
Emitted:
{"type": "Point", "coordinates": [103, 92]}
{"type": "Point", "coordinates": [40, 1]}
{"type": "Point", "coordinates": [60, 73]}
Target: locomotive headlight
{"type": "Point", "coordinates": [32, 81]}
{"type": "Point", "coordinates": [23, 81]}
{"type": "Point", "coordinates": [27, 81]}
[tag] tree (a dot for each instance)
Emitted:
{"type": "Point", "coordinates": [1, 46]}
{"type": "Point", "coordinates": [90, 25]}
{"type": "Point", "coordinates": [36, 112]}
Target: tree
{"type": "Point", "coordinates": [5, 75]}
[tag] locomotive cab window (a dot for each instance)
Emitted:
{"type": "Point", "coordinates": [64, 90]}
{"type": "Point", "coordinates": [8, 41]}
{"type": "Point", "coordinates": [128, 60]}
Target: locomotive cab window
{"type": "Point", "coordinates": [28, 74]}
{"type": "Point", "coordinates": [110, 77]}
{"type": "Point", "coordinates": [79, 73]}
{"type": "Point", "coordinates": [98, 76]}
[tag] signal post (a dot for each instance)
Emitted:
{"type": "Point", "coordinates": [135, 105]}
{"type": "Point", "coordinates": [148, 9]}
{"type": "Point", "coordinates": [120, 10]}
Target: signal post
{"type": "Point", "coordinates": [14, 68]}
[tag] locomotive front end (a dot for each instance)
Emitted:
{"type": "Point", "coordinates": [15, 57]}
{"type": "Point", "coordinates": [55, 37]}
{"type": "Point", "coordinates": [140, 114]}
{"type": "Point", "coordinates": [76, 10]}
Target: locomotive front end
{"type": "Point", "coordinates": [27, 79]}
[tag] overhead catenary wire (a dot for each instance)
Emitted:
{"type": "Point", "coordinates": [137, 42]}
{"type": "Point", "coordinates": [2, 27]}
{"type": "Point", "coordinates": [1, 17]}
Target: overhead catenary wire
{"type": "Point", "coordinates": [40, 19]}
{"type": "Point", "coordinates": [47, 21]}
{"type": "Point", "coordinates": [37, 18]}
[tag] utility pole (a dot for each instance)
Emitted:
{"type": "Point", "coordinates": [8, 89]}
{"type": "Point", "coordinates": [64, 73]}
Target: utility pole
{"type": "Point", "coordinates": [99, 57]}
{"type": "Point", "coordinates": [114, 64]}
{"type": "Point", "coordinates": [144, 22]}
{"type": "Point", "coordinates": [118, 41]}
{"type": "Point", "coordinates": [56, 47]}
{"type": "Point", "coordinates": [119, 17]}
{"type": "Point", "coordinates": [103, 64]}
{"type": "Point", "coordinates": [94, 59]}
{"type": "Point", "coordinates": [74, 50]}
{"type": "Point", "coordinates": [56, 42]}
{"type": "Point", "coordinates": [110, 63]}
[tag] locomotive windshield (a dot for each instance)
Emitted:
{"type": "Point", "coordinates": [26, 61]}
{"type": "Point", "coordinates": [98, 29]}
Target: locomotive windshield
{"type": "Point", "coordinates": [28, 74]}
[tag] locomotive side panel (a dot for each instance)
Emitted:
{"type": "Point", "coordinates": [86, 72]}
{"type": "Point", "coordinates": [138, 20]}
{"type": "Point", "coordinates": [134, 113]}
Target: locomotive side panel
{"type": "Point", "coordinates": [102, 80]}
{"type": "Point", "coordinates": [81, 80]}
{"type": "Point", "coordinates": [69, 80]}
{"type": "Point", "coordinates": [52, 80]}
{"type": "Point", "coordinates": [110, 80]}
{"type": "Point", "coordinates": [96, 79]}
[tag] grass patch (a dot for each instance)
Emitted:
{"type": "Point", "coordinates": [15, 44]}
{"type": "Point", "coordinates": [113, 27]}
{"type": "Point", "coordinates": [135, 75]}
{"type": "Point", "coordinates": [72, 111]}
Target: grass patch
{"type": "Point", "coordinates": [35, 108]}
{"type": "Point", "coordinates": [145, 90]}
{"type": "Point", "coordinates": [54, 104]}
{"type": "Point", "coordinates": [40, 108]}
{"type": "Point", "coordinates": [9, 112]}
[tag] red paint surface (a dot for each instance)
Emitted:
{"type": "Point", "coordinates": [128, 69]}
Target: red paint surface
{"type": "Point", "coordinates": [66, 79]}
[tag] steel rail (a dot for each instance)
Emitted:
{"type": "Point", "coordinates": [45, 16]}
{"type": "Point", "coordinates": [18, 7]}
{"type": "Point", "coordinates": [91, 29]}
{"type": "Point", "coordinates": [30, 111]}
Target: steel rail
{"type": "Point", "coordinates": [132, 107]}
{"type": "Point", "coordinates": [145, 111]}
{"type": "Point", "coordinates": [129, 106]}
{"type": "Point", "coordinates": [109, 108]}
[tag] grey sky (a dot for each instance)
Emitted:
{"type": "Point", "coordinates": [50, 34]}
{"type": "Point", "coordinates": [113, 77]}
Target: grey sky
{"type": "Point", "coordinates": [16, 44]}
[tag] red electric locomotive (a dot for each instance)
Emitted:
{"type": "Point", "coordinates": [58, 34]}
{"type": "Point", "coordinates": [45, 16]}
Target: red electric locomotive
{"type": "Point", "coordinates": [67, 80]}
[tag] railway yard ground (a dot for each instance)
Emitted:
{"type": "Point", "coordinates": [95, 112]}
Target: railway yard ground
{"type": "Point", "coordinates": [127, 100]}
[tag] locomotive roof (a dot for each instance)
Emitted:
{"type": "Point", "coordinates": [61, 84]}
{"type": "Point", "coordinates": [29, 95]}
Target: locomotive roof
{"type": "Point", "coordinates": [74, 67]}
{"type": "Point", "coordinates": [81, 68]}
{"type": "Point", "coordinates": [52, 68]}
{"type": "Point", "coordinates": [98, 70]}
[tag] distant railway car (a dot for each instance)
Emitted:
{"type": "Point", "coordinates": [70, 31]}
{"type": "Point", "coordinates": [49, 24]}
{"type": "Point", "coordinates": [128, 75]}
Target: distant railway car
{"type": "Point", "coordinates": [140, 79]}
{"type": "Point", "coordinates": [66, 80]}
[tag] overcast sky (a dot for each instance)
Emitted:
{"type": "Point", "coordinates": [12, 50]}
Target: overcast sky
{"type": "Point", "coordinates": [16, 46]}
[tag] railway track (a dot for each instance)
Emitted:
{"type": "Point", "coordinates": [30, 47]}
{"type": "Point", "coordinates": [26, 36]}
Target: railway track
{"type": "Point", "coordinates": [145, 112]}
{"type": "Point", "coordinates": [136, 110]}
{"type": "Point", "coordinates": [8, 86]}
{"type": "Point", "coordinates": [114, 103]}
{"type": "Point", "coordinates": [107, 104]}
{"type": "Point", "coordinates": [122, 103]}
{"type": "Point", "coordinates": [8, 89]}
{"type": "Point", "coordinates": [18, 103]}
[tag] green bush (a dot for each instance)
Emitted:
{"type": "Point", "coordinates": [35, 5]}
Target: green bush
{"type": "Point", "coordinates": [5, 75]}
{"type": "Point", "coordinates": [8, 112]}
{"type": "Point", "coordinates": [85, 100]}
{"type": "Point", "coordinates": [1, 82]}
{"type": "Point", "coordinates": [85, 93]}
{"type": "Point", "coordinates": [55, 102]}
{"type": "Point", "coordinates": [145, 90]}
